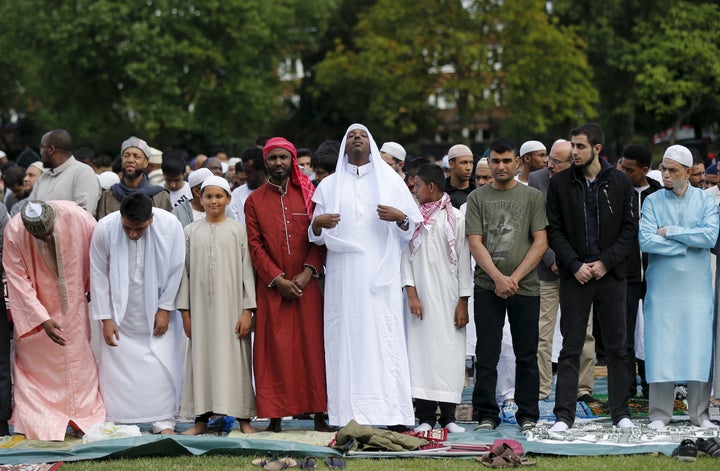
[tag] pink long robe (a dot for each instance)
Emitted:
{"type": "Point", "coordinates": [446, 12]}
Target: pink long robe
{"type": "Point", "coordinates": [54, 385]}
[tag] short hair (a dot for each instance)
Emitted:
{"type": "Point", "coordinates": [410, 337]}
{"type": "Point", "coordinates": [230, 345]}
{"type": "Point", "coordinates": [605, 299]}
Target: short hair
{"type": "Point", "coordinates": [326, 155]}
{"type": "Point", "coordinates": [431, 173]}
{"type": "Point", "coordinates": [412, 165]}
{"type": "Point", "coordinates": [592, 131]}
{"type": "Point", "coordinates": [102, 160]}
{"type": "Point", "coordinates": [252, 157]}
{"type": "Point", "coordinates": [173, 164]}
{"type": "Point", "coordinates": [136, 207]}
{"type": "Point", "coordinates": [218, 150]}
{"type": "Point", "coordinates": [503, 145]}
{"type": "Point", "coordinates": [639, 154]}
{"type": "Point", "coordinates": [697, 158]}
{"type": "Point", "coordinates": [304, 152]}
{"type": "Point", "coordinates": [84, 154]}
{"type": "Point", "coordinates": [13, 175]}
{"type": "Point", "coordinates": [60, 139]}
{"type": "Point", "coordinates": [117, 165]}
{"type": "Point", "coordinates": [261, 141]}
{"type": "Point", "coordinates": [239, 167]}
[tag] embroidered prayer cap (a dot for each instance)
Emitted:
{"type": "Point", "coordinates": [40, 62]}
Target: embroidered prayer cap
{"type": "Point", "coordinates": [531, 146]}
{"type": "Point", "coordinates": [37, 217]}
{"type": "Point", "coordinates": [214, 180]}
{"type": "Point", "coordinates": [298, 179]}
{"type": "Point", "coordinates": [155, 155]}
{"type": "Point", "coordinates": [136, 142]}
{"type": "Point", "coordinates": [197, 177]}
{"type": "Point", "coordinates": [680, 154]}
{"type": "Point", "coordinates": [394, 149]}
{"type": "Point", "coordinates": [459, 150]}
{"type": "Point", "coordinates": [482, 163]}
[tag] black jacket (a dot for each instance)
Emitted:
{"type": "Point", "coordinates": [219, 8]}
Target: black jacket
{"type": "Point", "coordinates": [617, 219]}
{"type": "Point", "coordinates": [636, 270]}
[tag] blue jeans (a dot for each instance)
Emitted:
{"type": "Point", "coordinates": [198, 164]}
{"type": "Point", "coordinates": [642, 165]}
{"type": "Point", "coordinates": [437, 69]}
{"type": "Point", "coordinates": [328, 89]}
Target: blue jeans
{"type": "Point", "coordinates": [523, 313]}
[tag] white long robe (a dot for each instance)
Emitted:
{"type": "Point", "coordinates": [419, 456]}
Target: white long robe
{"type": "Point", "coordinates": [368, 377]}
{"type": "Point", "coordinates": [140, 379]}
{"type": "Point", "coordinates": [436, 348]}
{"type": "Point", "coordinates": [219, 285]}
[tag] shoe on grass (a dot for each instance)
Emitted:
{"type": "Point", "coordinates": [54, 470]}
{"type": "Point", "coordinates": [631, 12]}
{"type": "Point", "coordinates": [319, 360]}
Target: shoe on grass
{"type": "Point", "coordinates": [686, 451]}
{"type": "Point", "coordinates": [709, 446]}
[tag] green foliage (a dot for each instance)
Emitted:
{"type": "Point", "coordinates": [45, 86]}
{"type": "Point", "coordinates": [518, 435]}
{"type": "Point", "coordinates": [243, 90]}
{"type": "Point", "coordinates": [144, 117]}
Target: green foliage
{"type": "Point", "coordinates": [160, 69]}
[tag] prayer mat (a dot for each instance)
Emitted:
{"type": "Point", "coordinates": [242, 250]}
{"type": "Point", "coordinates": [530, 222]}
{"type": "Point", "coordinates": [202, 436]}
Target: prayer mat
{"type": "Point", "coordinates": [31, 467]}
{"type": "Point", "coordinates": [638, 407]}
{"type": "Point", "coordinates": [508, 410]}
{"type": "Point", "coordinates": [308, 437]}
{"type": "Point", "coordinates": [603, 432]}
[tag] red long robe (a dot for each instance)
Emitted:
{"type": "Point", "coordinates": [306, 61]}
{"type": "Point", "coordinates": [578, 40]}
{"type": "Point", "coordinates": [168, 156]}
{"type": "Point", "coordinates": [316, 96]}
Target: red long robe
{"type": "Point", "coordinates": [288, 355]}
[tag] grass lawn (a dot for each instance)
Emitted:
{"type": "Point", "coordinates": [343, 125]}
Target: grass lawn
{"type": "Point", "coordinates": [623, 462]}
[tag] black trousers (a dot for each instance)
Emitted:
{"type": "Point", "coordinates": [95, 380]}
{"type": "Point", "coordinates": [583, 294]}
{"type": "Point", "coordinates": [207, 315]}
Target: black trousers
{"type": "Point", "coordinates": [635, 292]}
{"type": "Point", "coordinates": [523, 313]}
{"type": "Point", "coordinates": [608, 295]}
{"type": "Point", "coordinates": [426, 412]}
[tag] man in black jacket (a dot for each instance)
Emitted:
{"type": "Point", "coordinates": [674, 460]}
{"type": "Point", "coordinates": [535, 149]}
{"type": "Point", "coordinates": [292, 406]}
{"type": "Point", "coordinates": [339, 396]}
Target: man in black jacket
{"type": "Point", "coordinates": [593, 224]}
{"type": "Point", "coordinates": [636, 164]}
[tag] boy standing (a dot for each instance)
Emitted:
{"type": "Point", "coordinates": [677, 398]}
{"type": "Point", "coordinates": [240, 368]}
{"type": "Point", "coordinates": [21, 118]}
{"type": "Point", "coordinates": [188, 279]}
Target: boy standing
{"type": "Point", "coordinates": [437, 302]}
{"type": "Point", "coordinates": [216, 300]}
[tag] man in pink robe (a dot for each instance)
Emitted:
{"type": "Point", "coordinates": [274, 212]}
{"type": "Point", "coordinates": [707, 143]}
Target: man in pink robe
{"type": "Point", "coordinates": [288, 354]}
{"type": "Point", "coordinates": [46, 259]}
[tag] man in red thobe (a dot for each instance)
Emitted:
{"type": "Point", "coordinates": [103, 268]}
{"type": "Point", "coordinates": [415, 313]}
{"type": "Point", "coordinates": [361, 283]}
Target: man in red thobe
{"type": "Point", "coordinates": [288, 355]}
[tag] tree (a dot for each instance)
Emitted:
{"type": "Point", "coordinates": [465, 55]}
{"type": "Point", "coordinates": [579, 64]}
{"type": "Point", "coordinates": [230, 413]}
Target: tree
{"type": "Point", "coordinates": [169, 71]}
{"type": "Point", "coordinates": [679, 63]}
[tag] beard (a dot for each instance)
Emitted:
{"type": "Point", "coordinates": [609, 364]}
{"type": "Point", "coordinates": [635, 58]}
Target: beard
{"type": "Point", "coordinates": [588, 163]}
{"type": "Point", "coordinates": [133, 175]}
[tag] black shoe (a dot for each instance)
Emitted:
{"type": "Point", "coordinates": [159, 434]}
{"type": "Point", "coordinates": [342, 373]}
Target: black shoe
{"type": "Point", "coordinates": [4, 429]}
{"type": "Point", "coordinates": [686, 451]}
{"type": "Point", "coordinates": [586, 398]}
{"type": "Point", "coordinates": [710, 447]}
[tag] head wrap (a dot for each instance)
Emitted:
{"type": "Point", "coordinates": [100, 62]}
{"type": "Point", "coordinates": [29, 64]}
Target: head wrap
{"type": "Point", "coordinates": [680, 154]}
{"type": "Point", "coordinates": [214, 180]}
{"type": "Point", "coordinates": [136, 142]}
{"type": "Point", "coordinates": [197, 177]}
{"type": "Point", "coordinates": [155, 155]}
{"type": "Point", "coordinates": [458, 150]}
{"type": "Point", "coordinates": [531, 146]}
{"type": "Point", "coordinates": [394, 149]}
{"type": "Point", "coordinates": [37, 217]}
{"type": "Point", "coordinates": [299, 179]}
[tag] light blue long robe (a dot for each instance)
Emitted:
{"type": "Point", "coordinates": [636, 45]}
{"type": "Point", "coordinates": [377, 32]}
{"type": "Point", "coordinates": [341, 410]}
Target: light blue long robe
{"type": "Point", "coordinates": [679, 301]}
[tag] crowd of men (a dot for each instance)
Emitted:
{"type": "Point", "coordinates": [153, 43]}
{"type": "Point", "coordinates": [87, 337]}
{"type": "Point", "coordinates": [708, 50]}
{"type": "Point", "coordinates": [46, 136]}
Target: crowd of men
{"type": "Point", "coordinates": [347, 281]}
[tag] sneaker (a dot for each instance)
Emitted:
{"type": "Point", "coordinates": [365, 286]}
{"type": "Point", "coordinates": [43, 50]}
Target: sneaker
{"type": "Point", "coordinates": [423, 427]}
{"type": "Point", "coordinates": [686, 451]}
{"type": "Point", "coordinates": [486, 424]}
{"type": "Point", "coordinates": [586, 398]}
{"type": "Point", "coordinates": [527, 425]}
{"type": "Point", "coordinates": [710, 446]}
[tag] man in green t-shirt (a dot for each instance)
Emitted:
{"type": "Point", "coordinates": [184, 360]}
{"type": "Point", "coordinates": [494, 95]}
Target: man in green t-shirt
{"type": "Point", "coordinates": [505, 225]}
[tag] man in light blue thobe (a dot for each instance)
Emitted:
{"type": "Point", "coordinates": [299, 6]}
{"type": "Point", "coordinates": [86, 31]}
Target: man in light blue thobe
{"type": "Point", "coordinates": [678, 228]}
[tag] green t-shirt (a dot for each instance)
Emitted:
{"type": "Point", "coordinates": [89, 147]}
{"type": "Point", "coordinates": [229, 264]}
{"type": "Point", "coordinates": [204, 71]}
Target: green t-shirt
{"type": "Point", "coordinates": [506, 219]}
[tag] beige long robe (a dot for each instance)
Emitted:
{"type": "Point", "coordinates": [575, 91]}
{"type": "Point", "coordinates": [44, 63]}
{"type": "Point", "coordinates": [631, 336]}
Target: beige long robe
{"type": "Point", "coordinates": [217, 286]}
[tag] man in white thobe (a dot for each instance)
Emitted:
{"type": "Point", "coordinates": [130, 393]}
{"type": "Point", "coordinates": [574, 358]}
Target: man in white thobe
{"type": "Point", "coordinates": [364, 215]}
{"type": "Point", "coordinates": [136, 265]}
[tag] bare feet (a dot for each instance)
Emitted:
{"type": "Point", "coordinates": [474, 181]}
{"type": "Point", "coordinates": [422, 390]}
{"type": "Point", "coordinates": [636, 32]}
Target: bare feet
{"type": "Point", "coordinates": [198, 429]}
{"type": "Point", "coordinates": [321, 425]}
{"type": "Point", "coordinates": [167, 431]}
{"type": "Point", "coordinates": [245, 426]}
{"type": "Point", "coordinates": [275, 425]}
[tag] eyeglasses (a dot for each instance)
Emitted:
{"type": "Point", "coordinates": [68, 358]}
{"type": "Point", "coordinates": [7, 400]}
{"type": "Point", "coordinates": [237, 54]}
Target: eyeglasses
{"type": "Point", "coordinates": [558, 162]}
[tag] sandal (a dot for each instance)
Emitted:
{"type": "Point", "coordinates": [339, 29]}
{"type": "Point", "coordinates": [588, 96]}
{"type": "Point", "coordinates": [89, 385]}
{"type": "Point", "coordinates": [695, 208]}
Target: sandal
{"type": "Point", "coordinates": [503, 456]}
{"type": "Point", "coordinates": [710, 446]}
{"type": "Point", "coordinates": [263, 461]}
{"type": "Point", "coordinates": [309, 462]}
{"type": "Point", "coordinates": [335, 462]}
{"type": "Point", "coordinates": [280, 463]}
